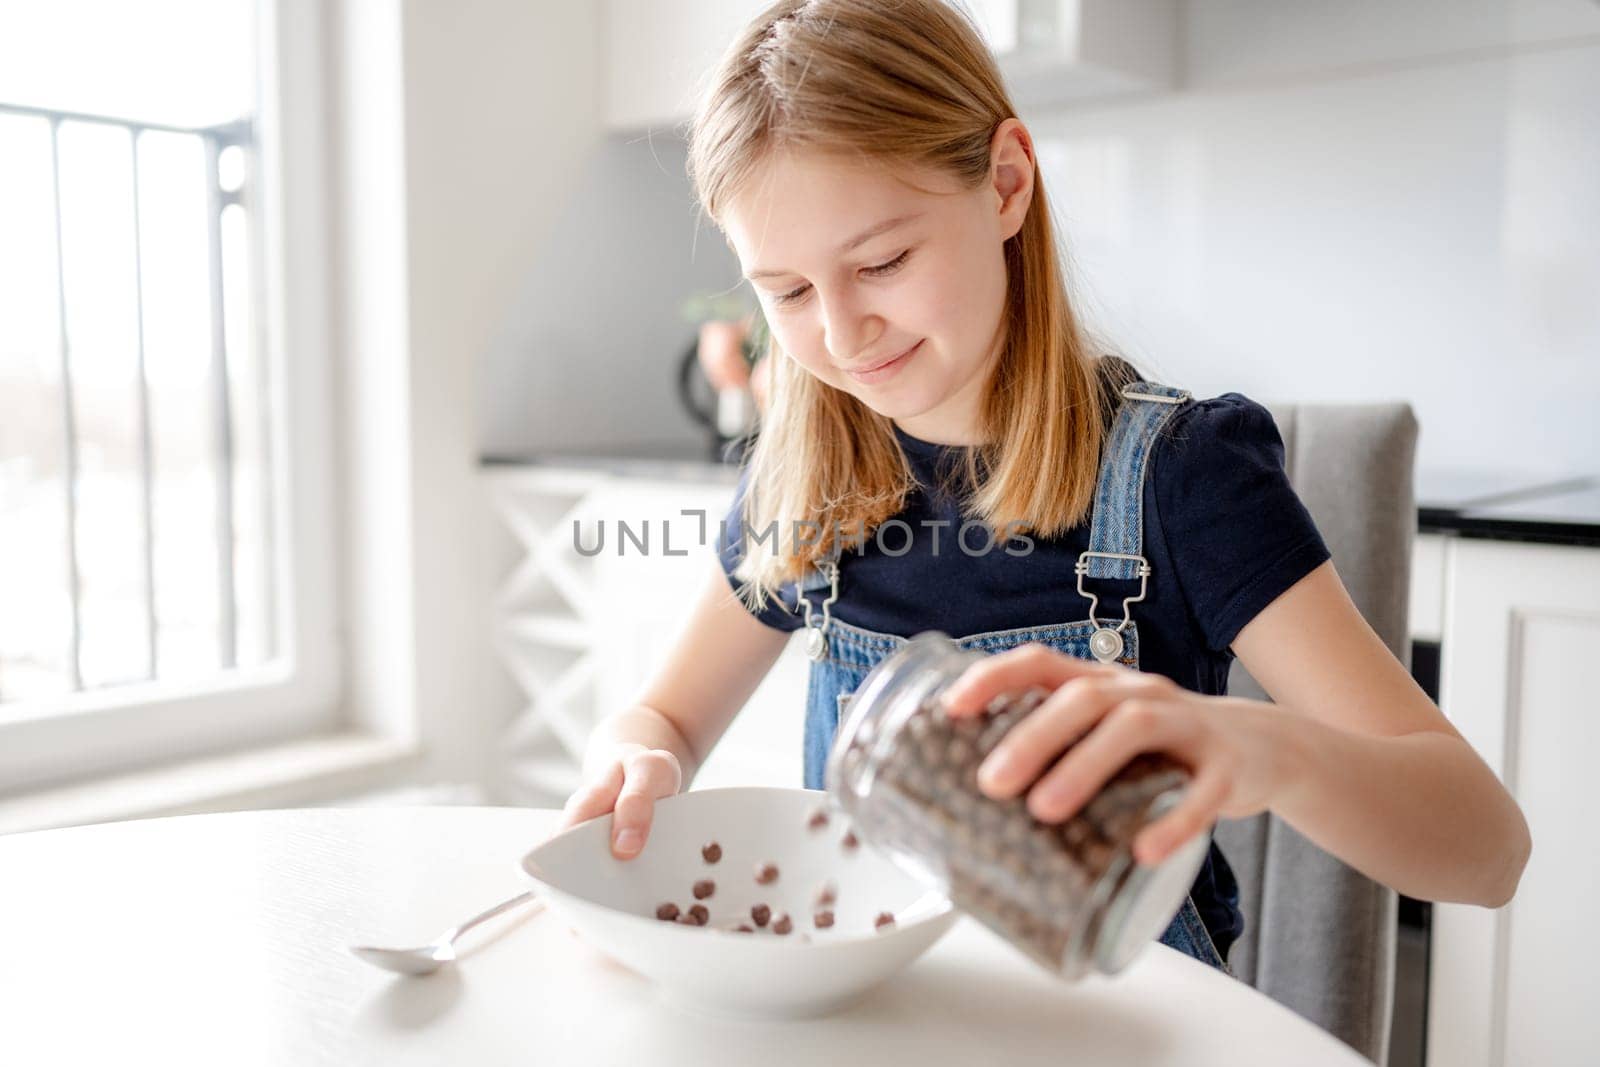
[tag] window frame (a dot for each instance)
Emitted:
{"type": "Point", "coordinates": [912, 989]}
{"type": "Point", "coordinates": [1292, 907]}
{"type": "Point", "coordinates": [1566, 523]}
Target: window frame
{"type": "Point", "coordinates": [127, 727]}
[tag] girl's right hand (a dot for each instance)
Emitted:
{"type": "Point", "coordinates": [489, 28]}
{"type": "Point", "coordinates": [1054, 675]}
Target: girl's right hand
{"type": "Point", "coordinates": [628, 787]}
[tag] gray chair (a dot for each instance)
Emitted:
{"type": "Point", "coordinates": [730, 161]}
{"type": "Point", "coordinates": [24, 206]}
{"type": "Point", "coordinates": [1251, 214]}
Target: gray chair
{"type": "Point", "coordinates": [1320, 937]}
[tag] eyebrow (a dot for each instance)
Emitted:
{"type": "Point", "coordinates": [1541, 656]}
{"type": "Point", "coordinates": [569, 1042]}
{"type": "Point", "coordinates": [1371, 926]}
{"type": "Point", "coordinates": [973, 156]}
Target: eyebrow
{"type": "Point", "coordinates": [855, 242]}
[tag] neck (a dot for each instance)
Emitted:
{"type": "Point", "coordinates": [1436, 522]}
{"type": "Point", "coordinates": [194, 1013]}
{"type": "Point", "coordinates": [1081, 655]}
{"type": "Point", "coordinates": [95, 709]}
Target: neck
{"type": "Point", "coordinates": [940, 432]}
{"type": "Point", "coordinates": [955, 421]}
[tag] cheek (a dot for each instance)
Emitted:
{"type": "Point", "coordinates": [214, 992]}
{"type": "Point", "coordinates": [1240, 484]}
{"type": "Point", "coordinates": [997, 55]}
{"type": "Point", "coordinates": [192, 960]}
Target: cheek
{"type": "Point", "coordinates": [959, 302]}
{"type": "Point", "coordinates": [797, 345]}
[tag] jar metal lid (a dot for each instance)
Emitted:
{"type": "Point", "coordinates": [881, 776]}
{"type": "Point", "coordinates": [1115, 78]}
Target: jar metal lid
{"type": "Point", "coordinates": [1149, 897]}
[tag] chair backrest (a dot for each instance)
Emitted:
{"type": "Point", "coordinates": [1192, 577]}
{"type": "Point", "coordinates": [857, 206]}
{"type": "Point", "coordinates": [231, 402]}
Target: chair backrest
{"type": "Point", "coordinates": [1320, 937]}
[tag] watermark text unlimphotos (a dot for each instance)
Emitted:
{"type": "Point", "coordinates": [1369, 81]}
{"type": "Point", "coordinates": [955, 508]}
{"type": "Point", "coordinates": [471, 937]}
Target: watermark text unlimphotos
{"type": "Point", "coordinates": [896, 537]}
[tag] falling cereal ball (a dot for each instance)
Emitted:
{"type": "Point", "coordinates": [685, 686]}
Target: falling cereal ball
{"type": "Point", "coordinates": [823, 919]}
{"type": "Point", "coordinates": [827, 894]}
{"type": "Point", "coordinates": [704, 888]}
{"type": "Point", "coordinates": [767, 873]}
{"type": "Point", "coordinates": [884, 919]}
{"type": "Point", "coordinates": [850, 842]}
{"type": "Point", "coordinates": [782, 924]}
{"type": "Point", "coordinates": [760, 913]}
{"type": "Point", "coordinates": [711, 852]}
{"type": "Point", "coordinates": [668, 911]}
{"type": "Point", "coordinates": [700, 913]}
{"type": "Point", "coordinates": [818, 820]}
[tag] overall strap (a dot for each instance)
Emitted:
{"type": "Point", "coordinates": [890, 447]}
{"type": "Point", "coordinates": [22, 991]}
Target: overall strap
{"type": "Point", "coordinates": [1116, 532]}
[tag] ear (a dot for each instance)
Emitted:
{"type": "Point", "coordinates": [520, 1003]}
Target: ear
{"type": "Point", "coordinates": [1011, 172]}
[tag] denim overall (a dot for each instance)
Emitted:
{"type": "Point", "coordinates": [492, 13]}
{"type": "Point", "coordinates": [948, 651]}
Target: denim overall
{"type": "Point", "coordinates": [842, 654]}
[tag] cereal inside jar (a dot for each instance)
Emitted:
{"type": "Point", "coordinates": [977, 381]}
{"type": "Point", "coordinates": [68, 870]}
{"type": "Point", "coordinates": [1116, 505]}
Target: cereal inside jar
{"type": "Point", "coordinates": [1068, 894]}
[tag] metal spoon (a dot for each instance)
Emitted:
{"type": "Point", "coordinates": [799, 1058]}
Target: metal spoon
{"type": "Point", "coordinates": [442, 950]}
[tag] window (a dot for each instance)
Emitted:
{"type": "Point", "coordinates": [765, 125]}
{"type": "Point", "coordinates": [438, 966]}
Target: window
{"type": "Point", "coordinates": [154, 597]}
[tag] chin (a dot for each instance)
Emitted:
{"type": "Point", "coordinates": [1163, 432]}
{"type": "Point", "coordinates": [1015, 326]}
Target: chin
{"type": "Point", "coordinates": [899, 408]}
{"type": "Point", "coordinates": [906, 396]}
{"type": "Point", "coordinates": [884, 402]}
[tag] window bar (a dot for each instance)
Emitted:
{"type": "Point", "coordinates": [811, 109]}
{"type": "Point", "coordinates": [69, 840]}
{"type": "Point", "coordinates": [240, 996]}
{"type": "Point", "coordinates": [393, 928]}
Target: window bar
{"type": "Point", "coordinates": [242, 134]}
{"type": "Point", "coordinates": [222, 423]}
{"type": "Point", "coordinates": [54, 115]}
{"type": "Point", "coordinates": [69, 419]}
{"type": "Point", "coordinates": [146, 475]}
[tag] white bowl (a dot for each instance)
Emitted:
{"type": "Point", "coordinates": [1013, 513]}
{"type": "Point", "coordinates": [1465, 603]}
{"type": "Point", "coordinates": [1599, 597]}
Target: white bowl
{"type": "Point", "coordinates": [611, 903]}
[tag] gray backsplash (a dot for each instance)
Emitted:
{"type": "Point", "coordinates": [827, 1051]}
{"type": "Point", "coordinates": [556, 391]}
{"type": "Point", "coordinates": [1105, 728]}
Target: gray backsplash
{"type": "Point", "coordinates": [589, 355]}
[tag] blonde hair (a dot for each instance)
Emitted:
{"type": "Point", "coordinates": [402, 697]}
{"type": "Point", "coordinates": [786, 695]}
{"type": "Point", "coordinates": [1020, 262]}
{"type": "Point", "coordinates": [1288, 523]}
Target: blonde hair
{"type": "Point", "coordinates": [894, 84]}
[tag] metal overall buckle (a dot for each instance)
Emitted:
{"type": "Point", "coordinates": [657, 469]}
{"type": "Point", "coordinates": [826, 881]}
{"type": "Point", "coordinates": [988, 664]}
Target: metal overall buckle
{"type": "Point", "coordinates": [817, 637]}
{"type": "Point", "coordinates": [1133, 392]}
{"type": "Point", "coordinates": [1106, 643]}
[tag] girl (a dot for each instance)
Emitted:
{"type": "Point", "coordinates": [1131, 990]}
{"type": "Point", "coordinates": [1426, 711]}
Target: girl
{"type": "Point", "coordinates": [942, 451]}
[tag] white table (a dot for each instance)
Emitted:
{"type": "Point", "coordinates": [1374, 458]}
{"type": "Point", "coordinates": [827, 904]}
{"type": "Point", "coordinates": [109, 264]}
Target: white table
{"type": "Point", "coordinates": [219, 939]}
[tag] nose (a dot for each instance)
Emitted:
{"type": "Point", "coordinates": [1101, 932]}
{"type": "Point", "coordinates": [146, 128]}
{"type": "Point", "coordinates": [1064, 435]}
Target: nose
{"type": "Point", "coordinates": [848, 328]}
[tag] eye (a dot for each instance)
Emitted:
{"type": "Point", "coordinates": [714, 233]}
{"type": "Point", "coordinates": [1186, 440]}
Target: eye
{"type": "Point", "coordinates": [890, 267]}
{"type": "Point", "coordinates": [784, 299]}
{"type": "Point", "coordinates": [881, 270]}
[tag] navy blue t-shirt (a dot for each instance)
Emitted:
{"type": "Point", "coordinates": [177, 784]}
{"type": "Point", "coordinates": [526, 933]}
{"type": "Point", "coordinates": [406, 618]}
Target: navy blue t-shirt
{"type": "Point", "coordinates": [1224, 533]}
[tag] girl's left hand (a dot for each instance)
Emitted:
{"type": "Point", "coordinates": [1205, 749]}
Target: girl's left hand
{"type": "Point", "coordinates": [1232, 746]}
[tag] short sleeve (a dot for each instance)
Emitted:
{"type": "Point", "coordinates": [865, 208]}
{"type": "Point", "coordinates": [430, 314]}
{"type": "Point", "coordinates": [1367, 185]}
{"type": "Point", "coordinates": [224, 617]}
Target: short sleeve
{"type": "Point", "coordinates": [778, 612]}
{"type": "Point", "coordinates": [1237, 533]}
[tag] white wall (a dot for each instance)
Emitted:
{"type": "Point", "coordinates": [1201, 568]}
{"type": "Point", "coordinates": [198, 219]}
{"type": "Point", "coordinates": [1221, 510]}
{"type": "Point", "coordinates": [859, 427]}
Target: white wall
{"type": "Point", "coordinates": [1360, 201]}
{"type": "Point", "coordinates": [455, 124]}
{"type": "Point", "coordinates": [500, 97]}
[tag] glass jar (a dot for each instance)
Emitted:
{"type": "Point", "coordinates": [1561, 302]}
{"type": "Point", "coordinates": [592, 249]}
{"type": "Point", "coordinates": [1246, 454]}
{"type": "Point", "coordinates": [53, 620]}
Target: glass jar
{"type": "Point", "coordinates": [1068, 894]}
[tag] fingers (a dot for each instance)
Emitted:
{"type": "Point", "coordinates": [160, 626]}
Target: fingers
{"type": "Point", "coordinates": [593, 799]}
{"type": "Point", "coordinates": [1142, 724]}
{"type": "Point", "coordinates": [647, 776]}
{"type": "Point", "coordinates": [1020, 668]}
{"type": "Point", "coordinates": [1201, 802]}
{"type": "Point", "coordinates": [1061, 719]}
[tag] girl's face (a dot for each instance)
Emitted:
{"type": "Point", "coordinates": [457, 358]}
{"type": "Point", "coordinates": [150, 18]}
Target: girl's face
{"type": "Point", "coordinates": [893, 294]}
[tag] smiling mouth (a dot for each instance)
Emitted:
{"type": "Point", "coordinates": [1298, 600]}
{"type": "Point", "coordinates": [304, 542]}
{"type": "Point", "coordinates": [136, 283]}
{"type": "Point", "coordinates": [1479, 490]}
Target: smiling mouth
{"type": "Point", "coordinates": [877, 369]}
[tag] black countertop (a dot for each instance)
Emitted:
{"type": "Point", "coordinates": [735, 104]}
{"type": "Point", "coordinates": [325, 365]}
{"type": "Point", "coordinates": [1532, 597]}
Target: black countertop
{"type": "Point", "coordinates": [1563, 511]}
{"type": "Point", "coordinates": [666, 460]}
{"type": "Point", "coordinates": [1504, 507]}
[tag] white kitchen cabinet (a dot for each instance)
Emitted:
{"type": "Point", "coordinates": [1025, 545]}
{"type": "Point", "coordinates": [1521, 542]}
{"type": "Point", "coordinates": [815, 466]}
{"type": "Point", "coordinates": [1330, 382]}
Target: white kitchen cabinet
{"type": "Point", "coordinates": [1059, 51]}
{"type": "Point", "coordinates": [658, 53]}
{"type": "Point", "coordinates": [1520, 639]}
{"type": "Point", "coordinates": [1074, 50]}
{"type": "Point", "coordinates": [583, 633]}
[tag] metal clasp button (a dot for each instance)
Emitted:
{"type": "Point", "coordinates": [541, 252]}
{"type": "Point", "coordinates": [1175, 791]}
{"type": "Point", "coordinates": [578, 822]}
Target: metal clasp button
{"type": "Point", "coordinates": [1107, 643]}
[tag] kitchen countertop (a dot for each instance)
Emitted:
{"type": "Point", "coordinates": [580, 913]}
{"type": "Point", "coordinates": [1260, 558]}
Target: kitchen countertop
{"type": "Point", "coordinates": [1555, 511]}
{"type": "Point", "coordinates": [1491, 505]}
{"type": "Point", "coordinates": [664, 459]}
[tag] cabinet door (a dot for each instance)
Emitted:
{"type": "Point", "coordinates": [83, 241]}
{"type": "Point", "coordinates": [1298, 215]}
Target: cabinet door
{"type": "Point", "coordinates": [1519, 985]}
{"type": "Point", "coordinates": [641, 600]}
